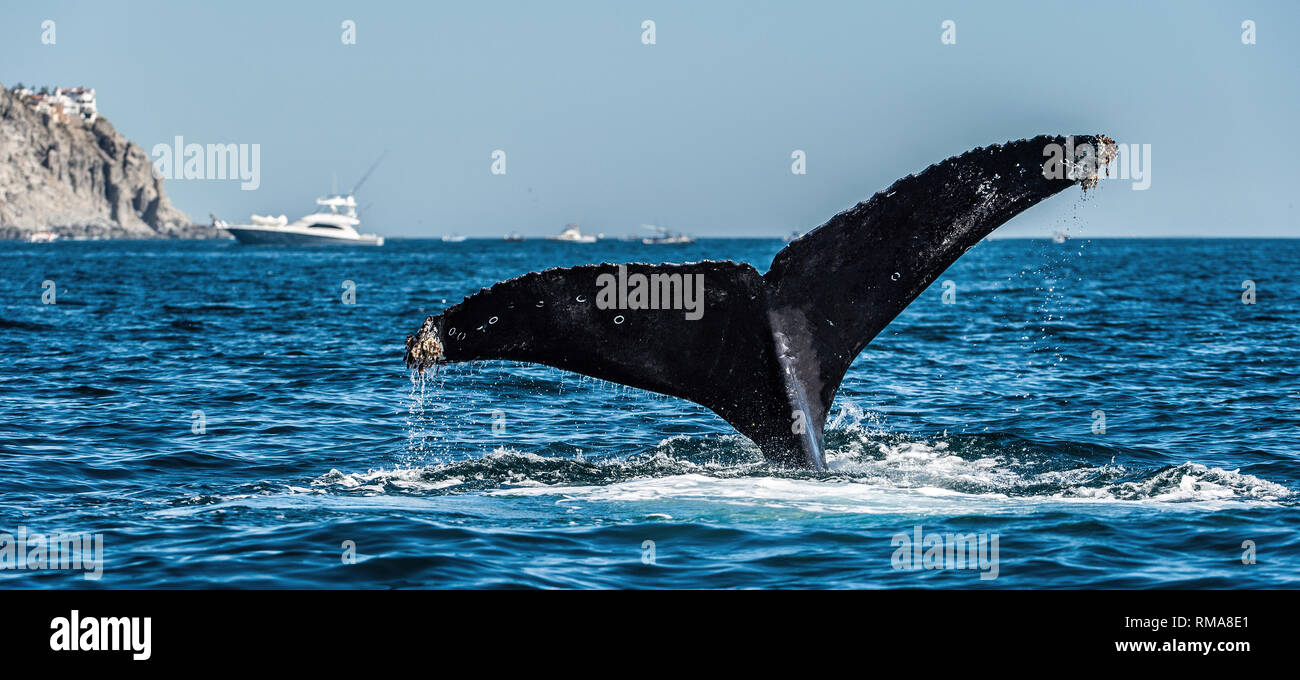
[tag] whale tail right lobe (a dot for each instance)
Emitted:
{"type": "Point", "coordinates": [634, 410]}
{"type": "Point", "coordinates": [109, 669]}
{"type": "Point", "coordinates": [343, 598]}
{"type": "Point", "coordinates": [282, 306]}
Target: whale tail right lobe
{"type": "Point", "coordinates": [768, 352]}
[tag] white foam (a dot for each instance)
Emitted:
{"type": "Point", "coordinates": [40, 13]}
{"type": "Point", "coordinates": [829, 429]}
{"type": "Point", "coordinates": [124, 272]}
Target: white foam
{"type": "Point", "coordinates": [406, 479]}
{"type": "Point", "coordinates": [868, 474]}
{"type": "Point", "coordinates": [1196, 482]}
{"type": "Point", "coordinates": [812, 496]}
{"type": "Point", "coordinates": [919, 477]}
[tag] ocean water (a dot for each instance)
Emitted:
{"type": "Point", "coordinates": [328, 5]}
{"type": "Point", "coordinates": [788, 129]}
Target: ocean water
{"type": "Point", "coordinates": [317, 461]}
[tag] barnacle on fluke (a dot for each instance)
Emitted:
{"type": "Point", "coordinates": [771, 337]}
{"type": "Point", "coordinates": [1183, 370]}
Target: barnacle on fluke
{"type": "Point", "coordinates": [423, 349]}
{"type": "Point", "coordinates": [1106, 153]}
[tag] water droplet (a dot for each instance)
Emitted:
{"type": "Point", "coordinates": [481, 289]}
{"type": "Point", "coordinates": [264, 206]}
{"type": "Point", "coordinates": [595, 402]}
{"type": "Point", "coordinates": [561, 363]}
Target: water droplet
{"type": "Point", "coordinates": [540, 303]}
{"type": "Point", "coordinates": [581, 298]}
{"type": "Point", "coordinates": [492, 321]}
{"type": "Point", "coordinates": [894, 277]}
{"type": "Point", "coordinates": [618, 319]}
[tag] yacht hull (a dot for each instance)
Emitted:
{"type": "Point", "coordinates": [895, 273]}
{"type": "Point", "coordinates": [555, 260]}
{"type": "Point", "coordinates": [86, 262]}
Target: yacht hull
{"type": "Point", "coordinates": [253, 236]}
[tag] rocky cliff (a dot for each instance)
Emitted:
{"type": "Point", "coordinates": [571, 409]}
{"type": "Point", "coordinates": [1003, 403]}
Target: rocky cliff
{"type": "Point", "coordinates": [80, 181]}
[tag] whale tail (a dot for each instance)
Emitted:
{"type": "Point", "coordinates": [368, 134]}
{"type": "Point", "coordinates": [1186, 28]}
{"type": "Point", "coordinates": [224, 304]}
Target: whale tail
{"type": "Point", "coordinates": [765, 352]}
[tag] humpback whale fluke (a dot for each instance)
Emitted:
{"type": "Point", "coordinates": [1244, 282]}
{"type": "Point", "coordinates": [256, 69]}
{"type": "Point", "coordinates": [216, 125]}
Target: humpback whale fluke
{"type": "Point", "coordinates": [769, 351]}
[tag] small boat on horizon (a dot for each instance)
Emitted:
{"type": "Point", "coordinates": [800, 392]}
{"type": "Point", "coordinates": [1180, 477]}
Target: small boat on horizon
{"type": "Point", "coordinates": [572, 234]}
{"type": "Point", "coordinates": [42, 237]}
{"type": "Point", "coordinates": [665, 237]}
{"type": "Point", "coordinates": [1060, 237]}
{"type": "Point", "coordinates": [513, 236]}
{"type": "Point", "coordinates": [453, 238]}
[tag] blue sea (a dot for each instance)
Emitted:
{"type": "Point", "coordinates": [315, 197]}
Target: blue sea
{"type": "Point", "coordinates": [1110, 412]}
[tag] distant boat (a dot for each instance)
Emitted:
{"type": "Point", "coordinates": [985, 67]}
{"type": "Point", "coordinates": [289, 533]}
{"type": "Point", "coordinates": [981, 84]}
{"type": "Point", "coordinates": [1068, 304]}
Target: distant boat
{"type": "Point", "coordinates": [665, 237]}
{"type": "Point", "coordinates": [571, 234]}
{"type": "Point", "coordinates": [453, 238]}
{"type": "Point", "coordinates": [1060, 237]}
{"type": "Point", "coordinates": [338, 226]}
{"type": "Point", "coordinates": [42, 237]}
{"type": "Point", "coordinates": [513, 236]}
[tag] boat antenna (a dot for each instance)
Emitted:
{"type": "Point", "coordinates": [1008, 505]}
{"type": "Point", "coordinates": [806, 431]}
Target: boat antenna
{"type": "Point", "coordinates": [367, 175]}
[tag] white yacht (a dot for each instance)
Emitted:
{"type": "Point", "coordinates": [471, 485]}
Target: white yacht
{"type": "Point", "coordinates": [572, 234]}
{"type": "Point", "coordinates": [336, 226]}
{"type": "Point", "coordinates": [453, 238]}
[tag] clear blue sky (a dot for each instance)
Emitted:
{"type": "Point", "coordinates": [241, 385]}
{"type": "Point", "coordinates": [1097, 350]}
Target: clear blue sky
{"type": "Point", "coordinates": [696, 131]}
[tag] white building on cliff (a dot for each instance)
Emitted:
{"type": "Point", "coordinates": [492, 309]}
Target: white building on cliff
{"type": "Point", "coordinates": [63, 104]}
